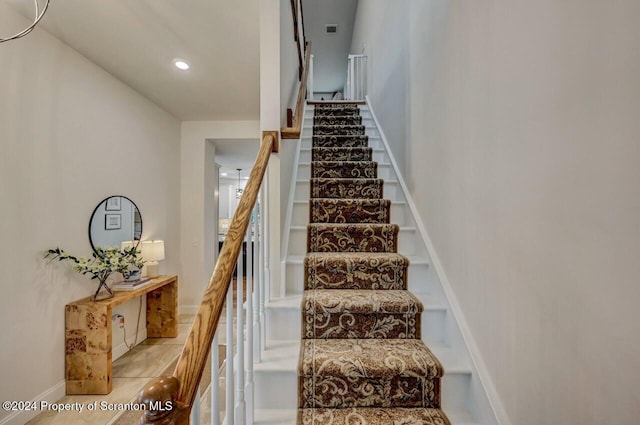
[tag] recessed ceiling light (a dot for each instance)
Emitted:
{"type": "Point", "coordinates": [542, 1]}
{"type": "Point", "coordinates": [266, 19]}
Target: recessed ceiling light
{"type": "Point", "coordinates": [180, 64]}
{"type": "Point", "coordinates": [246, 178]}
{"type": "Point", "coordinates": [223, 174]}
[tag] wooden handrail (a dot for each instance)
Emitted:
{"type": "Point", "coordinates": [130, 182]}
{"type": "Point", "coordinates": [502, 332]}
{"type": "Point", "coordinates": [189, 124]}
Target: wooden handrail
{"type": "Point", "coordinates": [293, 132]}
{"type": "Point", "coordinates": [296, 36]}
{"type": "Point", "coordinates": [169, 399]}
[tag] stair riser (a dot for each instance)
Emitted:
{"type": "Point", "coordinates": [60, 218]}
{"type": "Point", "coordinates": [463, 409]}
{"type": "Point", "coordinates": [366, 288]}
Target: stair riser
{"type": "Point", "coordinates": [455, 388]}
{"type": "Point", "coordinates": [372, 142]}
{"type": "Point", "coordinates": [334, 130]}
{"type": "Point", "coordinates": [365, 120]}
{"type": "Point", "coordinates": [301, 214]}
{"type": "Point", "coordinates": [434, 325]}
{"type": "Point", "coordinates": [373, 416]}
{"type": "Point", "coordinates": [341, 325]}
{"type": "Point", "coordinates": [422, 283]}
{"type": "Point", "coordinates": [283, 323]}
{"type": "Point", "coordinates": [347, 188]}
{"type": "Point", "coordinates": [335, 109]}
{"type": "Point", "coordinates": [382, 171]}
{"type": "Point", "coordinates": [371, 238]}
{"type": "Point", "coordinates": [417, 282]}
{"type": "Point", "coordinates": [376, 155]}
{"type": "Point", "coordinates": [355, 273]}
{"type": "Point", "coordinates": [275, 389]}
{"type": "Point", "coordinates": [455, 391]}
{"type": "Point", "coordinates": [370, 131]}
{"type": "Point", "coordinates": [349, 211]}
{"type": "Point", "coordinates": [338, 120]}
{"type": "Point", "coordinates": [406, 243]}
{"type": "Point", "coordinates": [339, 141]}
{"type": "Point", "coordinates": [410, 244]}
{"type": "Point", "coordinates": [341, 154]}
{"type": "Point", "coordinates": [345, 170]}
{"type": "Point", "coordinates": [397, 391]}
{"type": "Point", "coordinates": [366, 117]}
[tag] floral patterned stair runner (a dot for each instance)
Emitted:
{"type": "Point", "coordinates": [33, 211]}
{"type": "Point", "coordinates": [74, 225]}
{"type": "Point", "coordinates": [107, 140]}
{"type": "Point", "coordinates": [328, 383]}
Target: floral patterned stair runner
{"type": "Point", "coordinates": [361, 360]}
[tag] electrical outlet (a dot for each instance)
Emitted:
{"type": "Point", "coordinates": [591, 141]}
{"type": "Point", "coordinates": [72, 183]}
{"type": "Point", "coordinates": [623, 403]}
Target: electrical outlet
{"type": "Point", "coordinates": [119, 318]}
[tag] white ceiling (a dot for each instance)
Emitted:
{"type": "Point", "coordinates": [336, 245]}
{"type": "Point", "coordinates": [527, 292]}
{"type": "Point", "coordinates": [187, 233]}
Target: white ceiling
{"type": "Point", "coordinates": [137, 40]}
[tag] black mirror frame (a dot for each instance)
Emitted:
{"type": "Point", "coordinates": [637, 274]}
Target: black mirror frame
{"type": "Point", "coordinates": [96, 209]}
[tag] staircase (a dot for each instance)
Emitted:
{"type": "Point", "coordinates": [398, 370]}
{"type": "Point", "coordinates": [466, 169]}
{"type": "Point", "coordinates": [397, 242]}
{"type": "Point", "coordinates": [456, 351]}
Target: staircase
{"type": "Point", "coordinates": [377, 347]}
{"type": "Point", "coordinates": [361, 357]}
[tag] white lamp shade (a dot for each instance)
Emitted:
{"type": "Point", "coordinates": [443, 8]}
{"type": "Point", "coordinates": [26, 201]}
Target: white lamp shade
{"type": "Point", "coordinates": [153, 250]}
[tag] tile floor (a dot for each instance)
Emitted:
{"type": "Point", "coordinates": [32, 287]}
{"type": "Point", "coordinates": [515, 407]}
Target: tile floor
{"type": "Point", "coordinates": [130, 373]}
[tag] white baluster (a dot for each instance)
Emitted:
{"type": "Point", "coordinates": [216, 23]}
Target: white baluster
{"type": "Point", "coordinates": [257, 353]}
{"type": "Point", "coordinates": [310, 79]}
{"type": "Point", "coordinates": [240, 401]}
{"type": "Point", "coordinates": [194, 418]}
{"type": "Point", "coordinates": [264, 258]}
{"type": "Point", "coordinates": [229, 405]}
{"type": "Point", "coordinates": [249, 385]}
{"type": "Point", "coordinates": [215, 380]}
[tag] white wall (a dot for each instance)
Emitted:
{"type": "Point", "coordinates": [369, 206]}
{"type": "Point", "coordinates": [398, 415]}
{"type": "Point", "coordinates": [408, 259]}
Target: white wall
{"type": "Point", "coordinates": [289, 81]}
{"type": "Point", "coordinates": [71, 135]}
{"type": "Point", "coordinates": [386, 45]}
{"type": "Point", "coordinates": [199, 211]}
{"type": "Point", "coordinates": [330, 50]}
{"type": "Point", "coordinates": [289, 86]}
{"type": "Point", "coordinates": [521, 147]}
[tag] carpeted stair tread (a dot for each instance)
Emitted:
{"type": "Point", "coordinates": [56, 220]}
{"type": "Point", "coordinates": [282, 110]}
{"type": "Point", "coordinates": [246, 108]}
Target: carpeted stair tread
{"type": "Point", "coordinates": [363, 301]}
{"type": "Point", "coordinates": [336, 110]}
{"type": "Point", "coordinates": [352, 119]}
{"type": "Point", "coordinates": [352, 237]}
{"type": "Point", "coordinates": [342, 154]}
{"type": "Point", "coordinates": [338, 129]}
{"type": "Point", "coordinates": [344, 169]}
{"type": "Point", "coordinates": [327, 210]}
{"type": "Point", "coordinates": [361, 188]}
{"type": "Point", "coordinates": [340, 140]}
{"type": "Point", "coordinates": [361, 357]}
{"type": "Point", "coordinates": [355, 270]}
{"type": "Point", "coordinates": [372, 416]}
{"type": "Point", "coordinates": [335, 313]}
{"type": "Point", "coordinates": [342, 373]}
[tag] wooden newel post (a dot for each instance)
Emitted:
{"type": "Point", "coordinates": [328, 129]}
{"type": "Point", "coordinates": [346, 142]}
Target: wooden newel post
{"type": "Point", "coordinates": [161, 407]}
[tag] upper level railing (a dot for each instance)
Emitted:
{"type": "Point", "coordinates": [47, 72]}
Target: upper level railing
{"type": "Point", "coordinates": [356, 77]}
{"type": "Point", "coordinates": [293, 131]}
{"type": "Point", "coordinates": [170, 400]}
{"type": "Point", "coordinates": [298, 30]}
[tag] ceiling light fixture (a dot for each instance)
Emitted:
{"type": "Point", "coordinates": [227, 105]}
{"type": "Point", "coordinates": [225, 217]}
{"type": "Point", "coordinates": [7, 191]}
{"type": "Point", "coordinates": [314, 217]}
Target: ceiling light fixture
{"type": "Point", "coordinates": [223, 174]}
{"type": "Point", "coordinates": [39, 14]}
{"type": "Point", "coordinates": [238, 190]}
{"type": "Point", "coordinates": [180, 64]}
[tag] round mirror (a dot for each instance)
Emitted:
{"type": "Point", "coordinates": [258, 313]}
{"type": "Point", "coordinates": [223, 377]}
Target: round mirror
{"type": "Point", "coordinates": [115, 220]}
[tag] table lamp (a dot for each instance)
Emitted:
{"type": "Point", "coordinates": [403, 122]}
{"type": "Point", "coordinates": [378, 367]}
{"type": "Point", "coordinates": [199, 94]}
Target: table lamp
{"type": "Point", "coordinates": [152, 252]}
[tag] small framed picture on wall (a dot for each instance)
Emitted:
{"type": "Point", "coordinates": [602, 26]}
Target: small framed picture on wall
{"type": "Point", "coordinates": [112, 221]}
{"type": "Point", "coordinates": [113, 204]}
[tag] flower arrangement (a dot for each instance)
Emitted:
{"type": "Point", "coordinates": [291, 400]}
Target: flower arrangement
{"type": "Point", "coordinates": [102, 263]}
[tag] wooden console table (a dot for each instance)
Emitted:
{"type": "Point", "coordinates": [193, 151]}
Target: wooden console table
{"type": "Point", "coordinates": [88, 363]}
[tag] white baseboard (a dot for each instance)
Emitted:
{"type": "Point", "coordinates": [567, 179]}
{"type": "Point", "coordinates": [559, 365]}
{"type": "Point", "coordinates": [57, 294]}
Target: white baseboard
{"type": "Point", "coordinates": [121, 349]}
{"type": "Point", "coordinates": [51, 395]}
